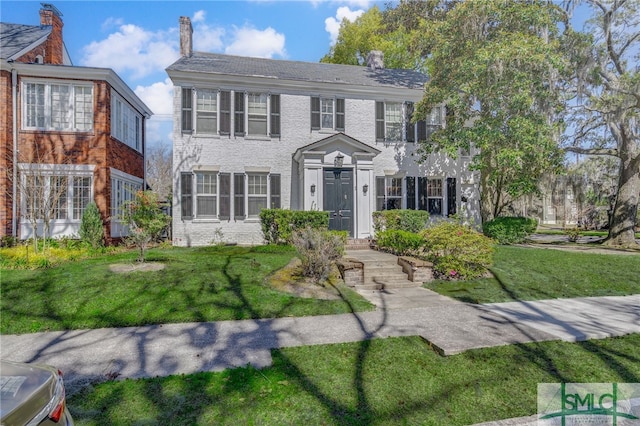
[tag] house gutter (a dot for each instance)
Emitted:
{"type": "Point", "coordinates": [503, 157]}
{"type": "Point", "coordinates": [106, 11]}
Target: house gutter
{"type": "Point", "coordinates": [14, 202]}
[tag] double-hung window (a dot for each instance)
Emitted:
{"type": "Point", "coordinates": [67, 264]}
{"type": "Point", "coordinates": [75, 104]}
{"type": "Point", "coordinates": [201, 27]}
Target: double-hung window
{"type": "Point", "coordinates": [434, 196]}
{"type": "Point", "coordinates": [389, 121]}
{"type": "Point", "coordinates": [206, 194]}
{"type": "Point", "coordinates": [257, 114]}
{"type": "Point", "coordinates": [327, 113]}
{"type": "Point", "coordinates": [227, 196]}
{"type": "Point", "coordinates": [207, 112]}
{"type": "Point", "coordinates": [126, 123]}
{"type": "Point", "coordinates": [256, 193]}
{"type": "Point", "coordinates": [388, 193]}
{"type": "Point", "coordinates": [434, 121]}
{"type": "Point", "coordinates": [58, 106]}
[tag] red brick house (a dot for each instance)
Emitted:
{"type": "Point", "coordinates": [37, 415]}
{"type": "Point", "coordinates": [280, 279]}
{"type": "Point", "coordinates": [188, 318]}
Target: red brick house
{"type": "Point", "coordinates": [68, 135]}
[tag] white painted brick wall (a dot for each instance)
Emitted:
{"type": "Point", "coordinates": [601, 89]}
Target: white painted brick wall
{"type": "Point", "coordinates": [233, 154]}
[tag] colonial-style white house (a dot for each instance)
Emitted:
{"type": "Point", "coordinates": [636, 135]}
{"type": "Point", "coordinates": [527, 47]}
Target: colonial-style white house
{"type": "Point", "coordinates": [255, 133]}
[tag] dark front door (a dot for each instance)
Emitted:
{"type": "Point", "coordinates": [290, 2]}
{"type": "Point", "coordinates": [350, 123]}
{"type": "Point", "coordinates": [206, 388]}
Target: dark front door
{"type": "Point", "coordinates": [338, 199]}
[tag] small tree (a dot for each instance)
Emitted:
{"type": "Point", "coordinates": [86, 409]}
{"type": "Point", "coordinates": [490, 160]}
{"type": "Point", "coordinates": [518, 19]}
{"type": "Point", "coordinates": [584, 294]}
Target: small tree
{"type": "Point", "coordinates": [145, 219]}
{"type": "Point", "coordinates": [91, 231]}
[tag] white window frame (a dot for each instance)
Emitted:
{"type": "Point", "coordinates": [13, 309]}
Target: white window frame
{"type": "Point", "coordinates": [123, 189]}
{"type": "Point", "coordinates": [249, 113]}
{"type": "Point", "coordinates": [390, 124]}
{"type": "Point", "coordinates": [200, 109]}
{"type": "Point", "coordinates": [38, 113]}
{"type": "Point", "coordinates": [251, 193]}
{"type": "Point", "coordinates": [327, 109]}
{"type": "Point", "coordinates": [201, 193]}
{"type": "Point", "coordinates": [393, 190]}
{"type": "Point", "coordinates": [436, 192]}
{"type": "Point", "coordinates": [49, 172]}
{"type": "Point", "coordinates": [126, 122]}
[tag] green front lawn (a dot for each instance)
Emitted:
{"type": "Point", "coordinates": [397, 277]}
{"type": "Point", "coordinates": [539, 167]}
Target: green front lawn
{"type": "Point", "coordinates": [394, 381]}
{"type": "Point", "coordinates": [197, 284]}
{"type": "Point", "coordinates": [523, 273]}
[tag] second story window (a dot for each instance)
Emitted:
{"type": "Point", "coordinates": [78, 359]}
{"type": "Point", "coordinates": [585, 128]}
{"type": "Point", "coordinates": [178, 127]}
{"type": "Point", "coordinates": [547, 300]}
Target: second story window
{"type": "Point", "coordinates": [327, 114]}
{"type": "Point", "coordinates": [57, 106]}
{"type": "Point", "coordinates": [257, 110]}
{"type": "Point", "coordinates": [207, 112]}
{"type": "Point", "coordinates": [126, 123]}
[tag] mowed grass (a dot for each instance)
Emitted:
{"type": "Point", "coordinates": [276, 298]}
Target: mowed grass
{"type": "Point", "coordinates": [197, 284]}
{"type": "Point", "coordinates": [524, 273]}
{"type": "Point", "coordinates": [394, 381]}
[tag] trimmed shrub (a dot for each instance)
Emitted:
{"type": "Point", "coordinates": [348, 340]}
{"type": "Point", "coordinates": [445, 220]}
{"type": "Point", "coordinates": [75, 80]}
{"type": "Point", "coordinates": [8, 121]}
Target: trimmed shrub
{"type": "Point", "coordinates": [278, 225]}
{"type": "Point", "coordinates": [457, 251]}
{"type": "Point", "coordinates": [318, 250]}
{"type": "Point", "coordinates": [400, 220]}
{"type": "Point", "coordinates": [91, 231]}
{"type": "Point", "coordinates": [510, 230]}
{"type": "Point", "coordinates": [400, 243]}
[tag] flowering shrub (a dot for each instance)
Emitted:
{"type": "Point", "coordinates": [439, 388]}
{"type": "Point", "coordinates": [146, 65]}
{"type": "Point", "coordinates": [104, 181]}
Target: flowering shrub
{"type": "Point", "coordinates": [457, 251]}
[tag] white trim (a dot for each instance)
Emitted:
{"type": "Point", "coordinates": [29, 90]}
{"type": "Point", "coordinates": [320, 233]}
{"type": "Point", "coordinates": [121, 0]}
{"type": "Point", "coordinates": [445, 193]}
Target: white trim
{"type": "Point", "coordinates": [251, 169]}
{"type": "Point", "coordinates": [205, 168]}
{"type": "Point", "coordinates": [119, 174]}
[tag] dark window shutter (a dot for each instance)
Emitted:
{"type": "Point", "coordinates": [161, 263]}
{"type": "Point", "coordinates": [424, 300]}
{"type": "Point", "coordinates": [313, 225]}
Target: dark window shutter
{"type": "Point", "coordinates": [238, 196]}
{"type": "Point", "coordinates": [315, 113]}
{"type": "Point", "coordinates": [186, 196]}
{"type": "Point", "coordinates": [410, 128]}
{"type": "Point", "coordinates": [422, 130]}
{"type": "Point", "coordinates": [238, 128]}
{"type": "Point", "coordinates": [225, 113]}
{"type": "Point", "coordinates": [380, 198]}
{"type": "Point", "coordinates": [379, 121]}
{"type": "Point", "coordinates": [275, 116]}
{"type": "Point", "coordinates": [451, 196]}
{"type": "Point", "coordinates": [187, 110]}
{"type": "Point", "coordinates": [411, 192]}
{"type": "Point", "coordinates": [340, 115]}
{"type": "Point", "coordinates": [422, 194]}
{"type": "Point", "coordinates": [225, 196]}
{"type": "Point", "coordinates": [275, 192]}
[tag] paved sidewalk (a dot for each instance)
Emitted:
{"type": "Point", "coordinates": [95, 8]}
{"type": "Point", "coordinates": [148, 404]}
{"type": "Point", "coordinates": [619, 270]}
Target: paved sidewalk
{"type": "Point", "coordinates": [450, 326]}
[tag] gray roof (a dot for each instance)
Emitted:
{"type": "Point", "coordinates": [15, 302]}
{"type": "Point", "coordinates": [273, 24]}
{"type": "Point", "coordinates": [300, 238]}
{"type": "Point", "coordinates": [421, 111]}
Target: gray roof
{"type": "Point", "coordinates": [16, 37]}
{"type": "Point", "coordinates": [213, 63]}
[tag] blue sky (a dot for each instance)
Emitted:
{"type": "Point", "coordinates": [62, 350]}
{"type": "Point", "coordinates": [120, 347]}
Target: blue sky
{"type": "Point", "coordinates": [139, 39]}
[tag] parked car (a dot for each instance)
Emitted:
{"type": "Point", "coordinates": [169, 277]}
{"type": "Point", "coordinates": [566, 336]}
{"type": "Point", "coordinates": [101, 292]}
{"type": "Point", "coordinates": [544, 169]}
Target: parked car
{"type": "Point", "coordinates": [32, 394]}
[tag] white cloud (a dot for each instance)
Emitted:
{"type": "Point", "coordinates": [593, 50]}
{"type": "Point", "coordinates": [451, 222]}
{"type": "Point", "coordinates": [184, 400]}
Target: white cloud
{"type": "Point", "coordinates": [134, 50]}
{"type": "Point", "coordinates": [159, 97]}
{"type": "Point", "coordinates": [199, 16]}
{"type": "Point", "coordinates": [332, 24]}
{"type": "Point", "coordinates": [249, 41]}
{"type": "Point", "coordinates": [207, 39]}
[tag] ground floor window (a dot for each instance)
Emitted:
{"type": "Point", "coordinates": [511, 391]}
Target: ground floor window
{"type": "Point", "coordinates": [123, 191]}
{"type": "Point", "coordinates": [388, 193]}
{"type": "Point", "coordinates": [53, 194]}
{"type": "Point", "coordinates": [220, 196]}
{"type": "Point", "coordinates": [423, 193]}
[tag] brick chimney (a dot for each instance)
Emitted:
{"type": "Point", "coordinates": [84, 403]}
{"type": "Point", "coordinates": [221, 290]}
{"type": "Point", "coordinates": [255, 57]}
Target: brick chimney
{"type": "Point", "coordinates": [186, 36]}
{"type": "Point", "coordinates": [50, 16]}
{"type": "Point", "coordinates": [375, 60]}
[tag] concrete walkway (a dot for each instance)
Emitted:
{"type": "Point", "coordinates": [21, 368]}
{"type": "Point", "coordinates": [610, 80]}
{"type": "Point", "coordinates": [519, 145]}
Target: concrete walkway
{"type": "Point", "coordinates": [449, 326]}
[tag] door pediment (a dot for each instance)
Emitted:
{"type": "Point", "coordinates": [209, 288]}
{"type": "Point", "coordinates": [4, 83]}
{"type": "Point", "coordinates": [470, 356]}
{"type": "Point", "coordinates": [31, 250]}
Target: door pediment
{"type": "Point", "coordinates": [338, 142]}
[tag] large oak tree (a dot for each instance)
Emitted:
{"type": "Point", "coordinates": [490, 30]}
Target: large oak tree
{"type": "Point", "coordinates": [606, 111]}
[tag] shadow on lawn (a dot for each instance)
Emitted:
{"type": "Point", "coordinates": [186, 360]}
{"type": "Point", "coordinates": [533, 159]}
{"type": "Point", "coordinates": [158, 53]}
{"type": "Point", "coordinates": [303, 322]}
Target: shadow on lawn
{"type": "Point", "coordinates": [252, 341]}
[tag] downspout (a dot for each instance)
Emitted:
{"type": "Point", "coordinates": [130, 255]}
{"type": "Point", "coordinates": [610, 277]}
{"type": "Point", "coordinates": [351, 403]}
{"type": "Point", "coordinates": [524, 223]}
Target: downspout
{"type": "Point", "coordinates": [14, 94]}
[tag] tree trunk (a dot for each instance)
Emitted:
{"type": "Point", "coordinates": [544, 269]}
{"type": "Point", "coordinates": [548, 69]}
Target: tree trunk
{"type": "Point", "coordinates": [621, 230]}
{"type": "Point", "coordinates": [486, 198]}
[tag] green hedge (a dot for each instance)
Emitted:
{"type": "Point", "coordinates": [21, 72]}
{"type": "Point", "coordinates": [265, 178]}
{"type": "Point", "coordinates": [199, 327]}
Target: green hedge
{"type": "Point", "coordinates": [278, 225]}
{"type": "Point", "coordinates": [400, 243]}
{"type": "Point", "coordinates": [400, 220]}
{"type": "Point", "coordinates": [510, 230]}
